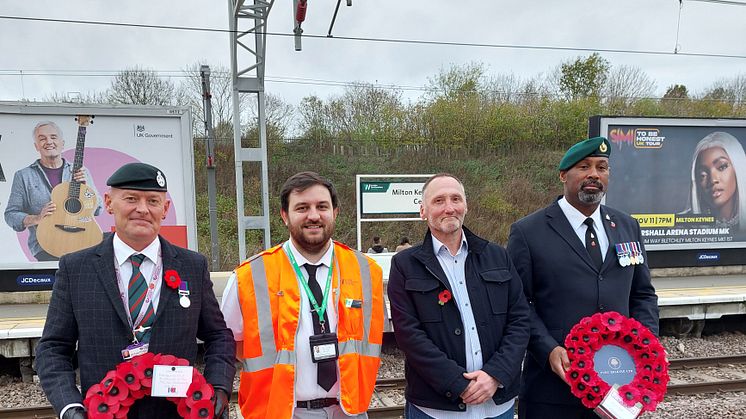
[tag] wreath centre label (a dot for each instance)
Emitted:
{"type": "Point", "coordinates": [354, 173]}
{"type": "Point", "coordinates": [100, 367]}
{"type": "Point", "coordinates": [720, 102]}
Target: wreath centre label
{"type": "Point", "coordinates": [614, 365]}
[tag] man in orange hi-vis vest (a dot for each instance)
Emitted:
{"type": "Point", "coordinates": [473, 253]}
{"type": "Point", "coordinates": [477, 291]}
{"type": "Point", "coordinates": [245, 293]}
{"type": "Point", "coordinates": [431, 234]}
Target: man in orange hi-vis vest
{"type": "Point", "coordinates": [307, 315]}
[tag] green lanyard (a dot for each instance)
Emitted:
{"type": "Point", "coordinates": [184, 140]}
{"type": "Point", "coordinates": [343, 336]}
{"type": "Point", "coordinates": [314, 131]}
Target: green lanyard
{"type": "Point", "coordinates": [319, 310]}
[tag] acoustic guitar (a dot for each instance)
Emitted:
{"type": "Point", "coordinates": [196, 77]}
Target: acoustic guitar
{"type": "Point", "coordinates": [72, 225]}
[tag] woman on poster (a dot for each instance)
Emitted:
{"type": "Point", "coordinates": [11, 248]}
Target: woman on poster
{"type": "Point", "coordinates": [717, 164]}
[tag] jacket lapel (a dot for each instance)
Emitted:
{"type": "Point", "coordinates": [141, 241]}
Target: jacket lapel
{"type": "Point", "coordinates": [104, 266]}
{"type": "Point", "coordinates": [613, 235]}
{"type": "Point", "coordinates": [170, 261]}
{"type": "Point", "coordinates": [558, 222]}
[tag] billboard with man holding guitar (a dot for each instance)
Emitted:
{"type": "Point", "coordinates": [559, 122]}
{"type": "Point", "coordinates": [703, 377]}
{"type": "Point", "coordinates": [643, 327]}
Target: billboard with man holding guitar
{"type": "Point", "coordinates": [55, 160]}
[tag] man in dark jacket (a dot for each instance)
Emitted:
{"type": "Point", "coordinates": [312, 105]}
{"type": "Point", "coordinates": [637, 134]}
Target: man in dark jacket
{"type": "Point", "coordinates": [570, 258]}
{"type": "Point", "coordinates": [459, 315]}
{"type": "Point", "coordinates": [112, 299]}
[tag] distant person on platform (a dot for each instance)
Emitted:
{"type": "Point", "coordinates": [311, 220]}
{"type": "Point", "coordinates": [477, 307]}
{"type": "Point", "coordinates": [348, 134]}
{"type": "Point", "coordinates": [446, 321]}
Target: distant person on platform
{"type": "Point", "coordinates": [110, 300]}
{"type": "Point", "coordinates": [307, 315]}
{"type": "Point", "coordinates": [403, 244]}
{"type": "Point", "coordinates": [570, 256]}
{"type": "Point", "coordinates": [377, 246]}
{"type": "Point", "coordinates": [30, 195]}
{"type": "Point", "coordinates": [459, 314]}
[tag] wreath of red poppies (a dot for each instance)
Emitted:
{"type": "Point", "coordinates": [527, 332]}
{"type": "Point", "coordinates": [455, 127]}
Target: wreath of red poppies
{"type": "Point", "coordinates": [611, 328]}
{"type": "Point", "coordinates": [133, 379]}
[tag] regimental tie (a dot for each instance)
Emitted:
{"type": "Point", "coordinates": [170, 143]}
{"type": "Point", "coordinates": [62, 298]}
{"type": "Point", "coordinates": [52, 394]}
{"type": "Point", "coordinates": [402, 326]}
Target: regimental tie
{"type": "Point", "coordinates": [327, 370]}
{"type": "Point", "coordinates": [137, 290]}
{"type": "Point", "coordinates": [592, 244]}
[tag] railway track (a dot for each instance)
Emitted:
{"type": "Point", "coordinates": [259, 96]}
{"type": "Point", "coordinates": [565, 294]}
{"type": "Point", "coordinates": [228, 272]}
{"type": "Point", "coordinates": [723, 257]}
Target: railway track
{"type": "Point", "coordinates": [387, 406]}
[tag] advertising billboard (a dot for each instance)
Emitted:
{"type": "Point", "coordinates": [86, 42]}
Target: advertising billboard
{"type": "Point", "coordinates": [47, 213]}
{"type": "Point", "coordinates": [683, 179]}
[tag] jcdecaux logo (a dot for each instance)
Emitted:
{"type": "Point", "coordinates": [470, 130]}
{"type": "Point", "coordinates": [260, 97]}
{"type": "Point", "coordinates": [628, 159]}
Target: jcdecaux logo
{"type": "Point", "coordinates": [35, 280]}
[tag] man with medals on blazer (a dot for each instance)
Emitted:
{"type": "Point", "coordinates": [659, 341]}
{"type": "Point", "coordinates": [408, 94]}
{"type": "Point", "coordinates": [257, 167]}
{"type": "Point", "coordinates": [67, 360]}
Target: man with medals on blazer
{"type": "Point", "coordinates": [576, 257]}
{"type": "Point", "coordinates": [110, 303]}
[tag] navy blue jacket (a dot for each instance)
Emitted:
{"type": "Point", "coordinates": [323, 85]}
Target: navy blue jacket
{"type": "Point", "coordinates": [563, 285]}
{"type": "Point", "coordinates": [432, 335]}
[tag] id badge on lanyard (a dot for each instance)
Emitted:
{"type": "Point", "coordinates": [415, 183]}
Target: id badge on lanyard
{"type": "Point", "coordinates": [324, 346]}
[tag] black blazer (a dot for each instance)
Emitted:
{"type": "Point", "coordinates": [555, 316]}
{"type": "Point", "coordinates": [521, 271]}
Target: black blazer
{"type": "Point", "coordinates": [563, 285]}
{"type": "Point", "coordinates": [86, 309]}
{"type": "Point", "coordinates": [432, 336]}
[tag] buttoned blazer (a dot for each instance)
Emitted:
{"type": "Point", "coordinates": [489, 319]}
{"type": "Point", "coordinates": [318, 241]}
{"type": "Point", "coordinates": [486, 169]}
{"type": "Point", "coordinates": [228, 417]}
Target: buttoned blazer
{"type": "Point", "coordinates": [432, 335]}
{"type": "Point", "coordinates": [87, 311]}
{"type": "Point", "coordinates": [563, 285]}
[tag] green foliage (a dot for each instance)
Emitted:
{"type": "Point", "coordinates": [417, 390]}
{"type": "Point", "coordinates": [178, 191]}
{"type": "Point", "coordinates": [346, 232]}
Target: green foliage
{"type": "Point", "coordinates": [501, 137]}
{"type": "Point", "coordinates": [584, 78]}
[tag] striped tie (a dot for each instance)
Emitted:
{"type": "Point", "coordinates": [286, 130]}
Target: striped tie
{"type": "Point", "coordinates": [138, 289]}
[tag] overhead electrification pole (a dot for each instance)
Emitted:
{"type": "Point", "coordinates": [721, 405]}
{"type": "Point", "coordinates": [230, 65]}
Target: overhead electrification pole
{"type": "Point", "coordinates": [247, 66]}
{"type": "Point", "coordinates": [204, 72]}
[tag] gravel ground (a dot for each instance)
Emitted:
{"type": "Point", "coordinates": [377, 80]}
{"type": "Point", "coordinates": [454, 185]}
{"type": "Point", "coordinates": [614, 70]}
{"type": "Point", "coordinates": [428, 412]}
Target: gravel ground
{"type": "Point", "coordinates": [705, 406]}
{"type": "Point", "coordinates": [711, 406]}
{"type": "Point", "coordinates": [690, 347]}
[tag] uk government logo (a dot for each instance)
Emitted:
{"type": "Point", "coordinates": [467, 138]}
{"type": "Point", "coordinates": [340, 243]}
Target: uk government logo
{"type": "Point", "coordinates": [143, 132]}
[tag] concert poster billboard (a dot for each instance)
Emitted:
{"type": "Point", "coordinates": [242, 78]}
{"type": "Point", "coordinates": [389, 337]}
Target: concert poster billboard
{"type": "Point", "coordinates": [101, 138]}
{"type": "Point", "coordinates": [683, 179]}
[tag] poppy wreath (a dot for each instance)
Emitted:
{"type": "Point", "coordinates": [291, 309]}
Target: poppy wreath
{"type": "Point", "coordinates": [611, 328]}
{"type": "Point", "coordinates": [133, 379]}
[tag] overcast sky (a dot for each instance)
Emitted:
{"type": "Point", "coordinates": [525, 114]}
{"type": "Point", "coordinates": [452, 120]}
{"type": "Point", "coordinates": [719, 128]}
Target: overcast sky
{"type": "Point", "coordinates": [83, 52]}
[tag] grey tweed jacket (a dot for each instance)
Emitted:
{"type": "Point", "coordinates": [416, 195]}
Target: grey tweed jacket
{"type": "Point", "coordinates": [86, 311]}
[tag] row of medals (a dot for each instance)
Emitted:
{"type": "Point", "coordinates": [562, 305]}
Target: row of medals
{"type": "Point", "coordinates": [629, 253]}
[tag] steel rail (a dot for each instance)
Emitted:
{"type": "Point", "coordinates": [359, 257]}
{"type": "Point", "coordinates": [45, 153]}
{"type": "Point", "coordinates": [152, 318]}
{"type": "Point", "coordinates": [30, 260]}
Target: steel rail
{"type": "Point", "coordinates": [709, 361]}
{"type": "Point", "coordinates": [707, 387]}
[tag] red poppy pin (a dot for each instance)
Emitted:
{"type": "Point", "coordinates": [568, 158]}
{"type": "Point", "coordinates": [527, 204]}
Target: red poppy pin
{"type": "Point", "coordinates": [444, 297]}
{"type": "Point", "coordinates": [172, 278]}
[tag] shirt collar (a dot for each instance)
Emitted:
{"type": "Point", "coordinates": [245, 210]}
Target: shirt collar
{"type": "Point", "coordinates": [122, 251]}
{"type": "Point", "coordinates": [438, 245]}
{"type": "Point", "coordinates": [325, 260]}
{"type": "Point", "coordinates": [576, 218]}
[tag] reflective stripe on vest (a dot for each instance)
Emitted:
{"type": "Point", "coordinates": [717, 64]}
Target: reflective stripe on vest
{"type": "Point", "coordinates": [264, 318]}
{"type": "Point", "coordinates": [359, 347]}
{"type": "Point", "coordinates": [268, 361]}
{"type": "Point", "coordinates": [367, 294]}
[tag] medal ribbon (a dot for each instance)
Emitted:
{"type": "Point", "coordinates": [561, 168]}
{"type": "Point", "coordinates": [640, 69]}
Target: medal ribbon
{"type": "Point", "coordinates": [319, 310]}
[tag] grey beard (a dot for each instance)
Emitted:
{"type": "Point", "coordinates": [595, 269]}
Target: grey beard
{"type": "Point", "coordinates": [590, 198]}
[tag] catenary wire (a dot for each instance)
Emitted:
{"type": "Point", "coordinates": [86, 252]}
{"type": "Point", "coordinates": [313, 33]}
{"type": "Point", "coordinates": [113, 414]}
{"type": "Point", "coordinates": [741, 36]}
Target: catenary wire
{"type": "Point", "coordinates": [383, 40]}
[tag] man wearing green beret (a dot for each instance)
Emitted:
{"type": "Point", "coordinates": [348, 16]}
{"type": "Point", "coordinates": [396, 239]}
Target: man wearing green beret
{"type": "Point", "coordinates": [576, 257]}
{"type": "Point", "coordinates": [111, 302]}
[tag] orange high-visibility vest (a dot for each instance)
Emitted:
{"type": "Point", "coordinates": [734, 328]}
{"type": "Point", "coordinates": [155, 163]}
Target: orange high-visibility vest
{"type": "Point", "coordinates": [270, 303]}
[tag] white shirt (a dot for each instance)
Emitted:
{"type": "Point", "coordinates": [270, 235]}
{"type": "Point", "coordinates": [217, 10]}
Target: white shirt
{"type": "Point", "coordinates": [306, 386]}
{"type": "Point", "coordinates": [577, 222]}
{"type": "Point", "coordinates": [454, 267]}
{"type": "Point", "coordinates": [122, 253]}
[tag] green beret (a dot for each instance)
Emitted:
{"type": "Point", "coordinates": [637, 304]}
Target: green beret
{"type": "Point", "coordinates": [592, 147]}
{"type": "Point", "coordinates": [138, 176]}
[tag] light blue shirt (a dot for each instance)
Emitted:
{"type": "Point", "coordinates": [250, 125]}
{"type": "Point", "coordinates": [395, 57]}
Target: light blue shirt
{"type": "Point", "coordinates": [454, 267]}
